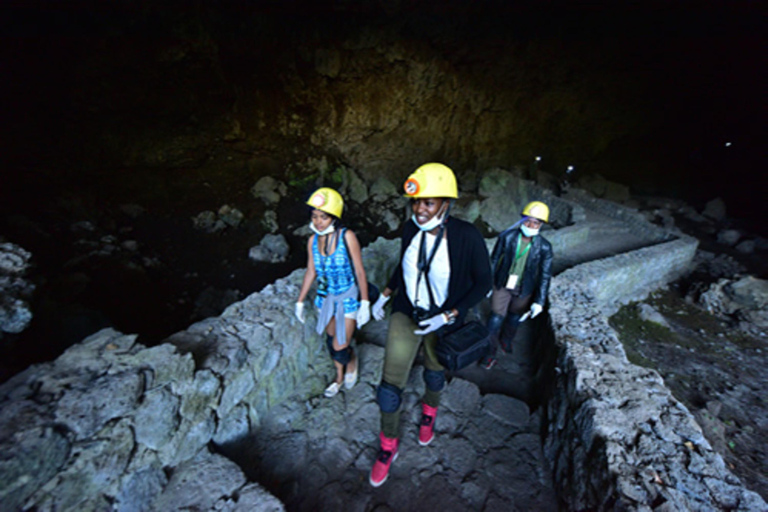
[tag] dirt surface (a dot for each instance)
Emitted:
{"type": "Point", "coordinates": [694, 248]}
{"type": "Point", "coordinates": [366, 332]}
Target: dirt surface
{"type": "Point", "coordinates": [717, 371]}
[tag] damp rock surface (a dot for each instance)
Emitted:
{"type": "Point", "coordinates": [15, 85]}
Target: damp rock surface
{"type": "Point", "coordinates": [317, 454]}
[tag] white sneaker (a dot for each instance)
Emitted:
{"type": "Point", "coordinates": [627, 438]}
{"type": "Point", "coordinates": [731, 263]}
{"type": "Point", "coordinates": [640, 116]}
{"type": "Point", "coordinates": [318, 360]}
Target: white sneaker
{"type": "Point", "coordinates": [332, 390]}
{"type": "Point", "coordinates": [350, 379]}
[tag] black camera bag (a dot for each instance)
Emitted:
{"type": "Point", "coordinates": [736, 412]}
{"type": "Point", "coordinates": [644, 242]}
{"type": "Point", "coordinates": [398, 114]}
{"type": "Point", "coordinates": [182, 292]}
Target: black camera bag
{"type": "Point", "coordinates": [464, 346]}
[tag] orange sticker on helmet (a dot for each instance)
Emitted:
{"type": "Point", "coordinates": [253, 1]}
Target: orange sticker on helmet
{"type": "Point", "coordinates": [411, 187]}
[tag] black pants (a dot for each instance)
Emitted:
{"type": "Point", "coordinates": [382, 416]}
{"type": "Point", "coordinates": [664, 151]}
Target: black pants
{"type": "Point", "coordinates": [507, 307]}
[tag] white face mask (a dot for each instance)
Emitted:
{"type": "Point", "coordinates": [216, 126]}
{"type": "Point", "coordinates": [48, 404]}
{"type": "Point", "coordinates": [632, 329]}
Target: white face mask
{"type": "Point", "coordinates": [529, 232]}
{"type": "Point", "coordinates": [330, 229]}
{"type": "Point", "coordinates": [431, 223]}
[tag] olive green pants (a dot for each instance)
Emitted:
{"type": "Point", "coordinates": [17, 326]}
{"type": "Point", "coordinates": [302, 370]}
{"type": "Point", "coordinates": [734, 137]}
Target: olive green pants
{"type": "Point", "coordinates": [399, 355]}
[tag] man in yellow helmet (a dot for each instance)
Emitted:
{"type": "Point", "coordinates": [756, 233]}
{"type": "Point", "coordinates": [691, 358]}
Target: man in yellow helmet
{"type": "Point", "coordinates": [443, 271]}
{"type": "Point", "coordinates": [522, 269]}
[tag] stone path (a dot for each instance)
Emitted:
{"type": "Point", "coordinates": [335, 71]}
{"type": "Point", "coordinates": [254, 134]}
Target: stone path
{"type": "Point", "coordinates": [317, 454]}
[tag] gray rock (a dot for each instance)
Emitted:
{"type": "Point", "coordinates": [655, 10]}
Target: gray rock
{"type": "Point", "coordinates": [649, 314]}
{"type": "Point", "coordinates": [230, 216]}
{"type": "Point", "coordinates": [157, 418]}
{"type": "Point", "coordinates": [691, 214]}
{"type": "Point", "coordinates": [500, 212]}
{"type": "Point", "coordinates": [746, 246]}
{"type": "Point", "coordinates": [253, 498]}
{"type": "Point", "coordinates": [391, 221]}
{"type": "Point", "coordinates": [208, 222]}
{"type": "Point", "coordinates": [383, 189]}
{"type": "Point", "coordinates": [507, 410]}
{"type": "Point", "coordinates": [132, 210]}
{"type": "Point", "coordinates": [715, 209]}
{"type": "Point", "coordinates": [13, 260]}
{"type": "Point", "coordinates": [15, 290]}
{"type": "Point", "coordinates": [83, 226]}
{"type": "Point", "coordinates": [15, 314]}
{"type": "Point", "coordinates": [496, 182]}
{"type": "Point", "coordinates": [140, 488]}
{"type": "Point", "coordinates": [471, 212]}
{"type": "Point", "coordinates": [130, 245]}
{"type": "Point", "coordinates": [269, 221]}
{"type": "Point", "coordinates": [728, 237]}
{"type": "Point", "coordinates": [269, 190]}
{"type": "Point", "coordinates": [353, 187]}
{"type": "Point", "coordinates": [200, 483]}
{"type": "Point", "coordinates": [749, 292]}
{"type": "Point", "coordinates": [45, 452]}
{"type": "Point", "coordinates": [271, 249]}
{"type": "Point", "coordinates": [86, 407]}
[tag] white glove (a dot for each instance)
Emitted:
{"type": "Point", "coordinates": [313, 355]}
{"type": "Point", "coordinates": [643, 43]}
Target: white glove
{"type": "Point", "coordinates": [364, 313]}
{"type": "Point", "coordinates": [378, 308]}
{"type": "Point", "coordinates": [431, 324]}
{"type": "Point", "coordinates": [536, 309]}
{"type": "Point", "coordinates": [299, 311]}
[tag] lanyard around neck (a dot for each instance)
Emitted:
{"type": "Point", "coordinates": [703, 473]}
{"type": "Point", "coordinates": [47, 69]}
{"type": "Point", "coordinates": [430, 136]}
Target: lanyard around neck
{"type": "Point", "coordinates": [424, 263]}
{"type": "Point", "coordinates": [517, 249]}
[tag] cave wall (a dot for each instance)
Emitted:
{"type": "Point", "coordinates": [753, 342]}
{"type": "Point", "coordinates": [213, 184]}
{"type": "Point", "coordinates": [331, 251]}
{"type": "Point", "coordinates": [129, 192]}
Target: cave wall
{"type": "Point", "coordinates": [383, 92]}
{"type": "Point", "coordinates": [643, 96]}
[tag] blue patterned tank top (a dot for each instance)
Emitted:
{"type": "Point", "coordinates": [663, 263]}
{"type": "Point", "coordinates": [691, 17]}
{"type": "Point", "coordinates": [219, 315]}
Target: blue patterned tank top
{"type": "Point", "coordinates": [334, 273]}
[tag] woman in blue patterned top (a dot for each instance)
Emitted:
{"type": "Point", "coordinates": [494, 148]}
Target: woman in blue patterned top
{"type": "Point", "coordinates": [335, 261]}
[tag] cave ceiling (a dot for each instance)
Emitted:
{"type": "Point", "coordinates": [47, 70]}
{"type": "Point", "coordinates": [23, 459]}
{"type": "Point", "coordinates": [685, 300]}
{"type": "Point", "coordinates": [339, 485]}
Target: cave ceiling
{"type": "Point", "coordinates": [645, 95]}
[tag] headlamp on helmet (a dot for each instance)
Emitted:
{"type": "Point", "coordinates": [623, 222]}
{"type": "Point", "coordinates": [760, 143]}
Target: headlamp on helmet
{"type": "Point", "coordinates": [327, 200]}
{"type": "Point", "coordinates": [431, 180]}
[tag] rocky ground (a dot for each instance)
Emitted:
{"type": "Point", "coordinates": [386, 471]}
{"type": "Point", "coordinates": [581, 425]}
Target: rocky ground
{"type": "Point", "coordinates": [713, 363]}
{"type": "Point", "coordinates": [487, 454]}
{"type": "Point", "coordinates": [717, 372]}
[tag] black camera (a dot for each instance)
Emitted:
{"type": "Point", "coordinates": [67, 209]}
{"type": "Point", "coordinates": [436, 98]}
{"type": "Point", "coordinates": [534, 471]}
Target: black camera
{"type": "Point", "coordinates": [420, 314]}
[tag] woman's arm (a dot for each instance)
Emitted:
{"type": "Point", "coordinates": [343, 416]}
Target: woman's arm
{"type": "Point", "coordinates": [309, 275]}
{"type": "Point", "coordinates": [357, 263]}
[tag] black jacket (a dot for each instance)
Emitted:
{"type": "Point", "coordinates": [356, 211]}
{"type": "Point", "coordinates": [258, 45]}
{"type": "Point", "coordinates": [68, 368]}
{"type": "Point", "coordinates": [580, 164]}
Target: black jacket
{"type": "Point", "coordinates": [470, 268]}
{"type": "Point", "coordinates": [538, 267]}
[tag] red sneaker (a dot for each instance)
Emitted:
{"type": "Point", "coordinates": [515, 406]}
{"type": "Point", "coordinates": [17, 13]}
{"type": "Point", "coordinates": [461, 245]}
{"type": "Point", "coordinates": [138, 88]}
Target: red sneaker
{"type": "Point", "coordinates": [385, 458]}
{"type": "Point", "coordinates": [488, 362]}
{"type": "Point", "coordinates": [427, 427]}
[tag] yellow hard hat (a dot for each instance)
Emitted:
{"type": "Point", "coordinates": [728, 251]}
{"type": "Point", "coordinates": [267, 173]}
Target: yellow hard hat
{"type": "Point", "coordinates": [431, 180]}
{"type": "Point", "coordinates": [537, 210]}
{"type": "Point", "coordinates": [327, 200]}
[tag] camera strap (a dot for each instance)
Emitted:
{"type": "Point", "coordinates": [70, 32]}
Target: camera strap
{"type": "Point", "coordinates": [424, 263]}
